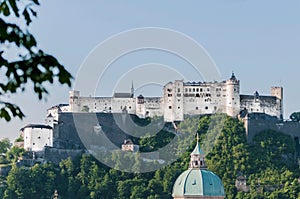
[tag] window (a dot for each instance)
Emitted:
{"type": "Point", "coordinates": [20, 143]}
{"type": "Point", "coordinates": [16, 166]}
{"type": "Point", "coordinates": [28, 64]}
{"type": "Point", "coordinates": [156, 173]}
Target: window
{"type": "Point", "coordinates": [206, 108]}
{"type": "Point", "coordinates": [39, 137]}
{"type": "Point", "coordinates": [169, 95]}
{"type": "Point", "coordinates": [201, 89]}
{"type": "Point", "coordinates": [190, 90]}
{"type": "Point", "coordinates": [170, 107]}
{"type": "Point", "coordinates": [178, 107]}
{"type": "Point", "coordinates": [33, 143]}
{"type": "Point", "coordinates": [178, 90]}
{"type": "Point", "coordinates": [208, 89]}
{"type": "Point", "coordinates": [197, 90]}
{"type": "Point", "coordinates": [193, 89]}
{"type": "Point", "coordinates": [197, 108]}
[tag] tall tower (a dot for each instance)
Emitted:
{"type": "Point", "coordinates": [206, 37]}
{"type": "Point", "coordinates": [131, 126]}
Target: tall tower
{"type": "Point", "coordinates": [74, 101]}
{"type": "Point", "coordinates": [233, 96]}
{"type": "Point", "coordinates": [277, 91]}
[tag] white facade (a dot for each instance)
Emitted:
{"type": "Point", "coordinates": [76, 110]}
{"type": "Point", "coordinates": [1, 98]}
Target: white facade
{"type": "Point", "coordinates": [37, 136]}
{"type": "Point", "coordinates": [184, 98]}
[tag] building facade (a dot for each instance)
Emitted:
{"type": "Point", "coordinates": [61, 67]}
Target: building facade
{"type": "Point", "coordinates": [181, 99]}
{"type": "Point", "coordinates": [37, 136]}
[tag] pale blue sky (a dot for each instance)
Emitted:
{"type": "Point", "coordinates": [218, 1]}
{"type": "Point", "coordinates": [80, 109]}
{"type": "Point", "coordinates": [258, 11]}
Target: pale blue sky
{"type": "Point", "coordinates": [258, 40]}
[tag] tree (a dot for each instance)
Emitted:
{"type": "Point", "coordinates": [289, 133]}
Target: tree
{"type": "Point", "coordinates": [295, 117]}
{"type": "Point", "coordinates": [4, 145]}
{"type": "Point", "coordinates": [30, 65]}
{"type": "Point", "coordinates": [14, 153]}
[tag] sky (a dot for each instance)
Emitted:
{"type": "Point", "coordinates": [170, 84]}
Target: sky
{"type": "Point", "coordinates": [258, 40]}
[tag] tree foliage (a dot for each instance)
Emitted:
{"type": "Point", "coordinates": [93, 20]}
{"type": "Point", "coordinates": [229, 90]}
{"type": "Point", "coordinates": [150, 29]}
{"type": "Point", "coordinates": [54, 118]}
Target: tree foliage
{"type": "Point", "coordinates": [268, 165]}
{"type": "Point", "coordinates": [295, 117]}
{"type": "Point", "coordinates": [29, 65]}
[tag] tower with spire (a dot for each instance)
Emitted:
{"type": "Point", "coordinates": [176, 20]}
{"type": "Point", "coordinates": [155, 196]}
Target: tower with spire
{"type": "Point", "coordinates": [132, 90]}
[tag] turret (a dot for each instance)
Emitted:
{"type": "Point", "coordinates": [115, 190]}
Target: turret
{"type": "Point", "coordinates": [74, 101]}
{"type": "Point", "coordinates": [197, 157]}
{"type": "Point", "coordinates": [278, 92]}
{"type": "Point", "coordinates": [233, 96]}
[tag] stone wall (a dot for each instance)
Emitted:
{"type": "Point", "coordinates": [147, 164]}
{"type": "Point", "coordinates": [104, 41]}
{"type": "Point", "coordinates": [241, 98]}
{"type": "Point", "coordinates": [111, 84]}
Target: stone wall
{"type": "Point", "coordinates": [256, 123]}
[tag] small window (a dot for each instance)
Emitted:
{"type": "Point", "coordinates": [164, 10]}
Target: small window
{"type": "Point", "coordinates": [129, 107]}
{"type": "Point", "coordinates": [39, 137]}
{"type": "Point", "coordinates": [197, 108]}
{"type": "Point", "coordinates": [33, 143]}
{"type": "Point", "coordinates": [201, 89]}
{"type": "Point", "coordinates": [206, 108]}
{"type": "Point", "coordinates": [197, 90]}
{"type": "Point", "coordinates": [190, 90]}
{"type": "Point", "coordinates": [178, 107]}
{"type": "Point", "coordinates": [193, 89]}
{"type": "Point", "coordinates": [170, 107]}
{"type": "Point", "coordinates": [178, 90]}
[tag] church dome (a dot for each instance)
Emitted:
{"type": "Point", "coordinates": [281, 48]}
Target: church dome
{"type": "Point", "coordinates": [198, 182]}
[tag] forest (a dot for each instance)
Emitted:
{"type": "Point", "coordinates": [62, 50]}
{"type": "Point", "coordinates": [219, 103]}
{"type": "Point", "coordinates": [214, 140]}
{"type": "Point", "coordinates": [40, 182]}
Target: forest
{"type": "Point", "coordinates": [269, 164]}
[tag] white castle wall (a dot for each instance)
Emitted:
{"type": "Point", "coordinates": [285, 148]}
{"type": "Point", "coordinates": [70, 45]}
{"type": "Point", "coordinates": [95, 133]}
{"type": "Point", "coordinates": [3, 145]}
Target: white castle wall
{"type": "Point", "coordinates": [36, 137]}
{"type": "Point", "coordinates": [180, 98]}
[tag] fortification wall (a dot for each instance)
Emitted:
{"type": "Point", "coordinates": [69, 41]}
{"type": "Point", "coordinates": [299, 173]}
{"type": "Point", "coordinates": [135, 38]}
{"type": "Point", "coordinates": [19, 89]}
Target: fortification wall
{"type": "Point", "coordinates": [255, 125]}
{"type": "Point", "coordinates": [55, 156]}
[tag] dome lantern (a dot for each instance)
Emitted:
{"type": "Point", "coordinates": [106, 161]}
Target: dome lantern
{"type": "Point", "coordinates": [198, 181]}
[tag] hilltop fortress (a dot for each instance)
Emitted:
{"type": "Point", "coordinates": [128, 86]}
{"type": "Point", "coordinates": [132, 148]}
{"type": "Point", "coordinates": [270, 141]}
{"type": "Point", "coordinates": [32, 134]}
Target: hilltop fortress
{"type": "Point", "coordinates": [181, 99]}
{"type": "Point", "coordinates": [60, 138]}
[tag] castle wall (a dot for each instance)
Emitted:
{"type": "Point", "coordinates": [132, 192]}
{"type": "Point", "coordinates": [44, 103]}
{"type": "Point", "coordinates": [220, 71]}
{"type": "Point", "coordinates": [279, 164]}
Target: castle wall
{"type": "Point", "coordinates": [180, 98]}
{"type": "Point", "coordinates": [261, 104]}
{"type": "Point", "coordinates": [256, 123]}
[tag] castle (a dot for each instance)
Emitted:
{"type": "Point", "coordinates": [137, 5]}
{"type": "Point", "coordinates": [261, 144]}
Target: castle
{"type": "Point", "coordinates": [184, 98]}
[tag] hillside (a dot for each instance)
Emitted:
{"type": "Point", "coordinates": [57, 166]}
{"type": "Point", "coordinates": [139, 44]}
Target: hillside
{"type": "Point", "coordinates": [269, 165]}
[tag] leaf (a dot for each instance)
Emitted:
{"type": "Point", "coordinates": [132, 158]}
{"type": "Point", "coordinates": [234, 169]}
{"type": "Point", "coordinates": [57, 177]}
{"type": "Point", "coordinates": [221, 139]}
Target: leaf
{"type": "Point", "coordinates": [36, 2]}
{"type": "Point", "coordinates": [34, 13]}
{"type": "Point", "coordinates": [14, 7]}
{"type": "Point", "coordinates": [27, 17]}
{"type": "Point", "coordinates": [5, 9]}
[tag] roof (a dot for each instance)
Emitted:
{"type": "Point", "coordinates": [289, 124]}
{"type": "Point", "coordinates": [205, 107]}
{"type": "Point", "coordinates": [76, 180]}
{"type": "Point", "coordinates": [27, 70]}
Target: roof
{"type": "Point", "coordinates": [58, 106]}
{"type": "Point", "coordinates": [122, 95]}
{"type": "Point", "coordinates": [36, 126]}
{"type": "Point", "coordinates": [197, 150]}
{"type": "Point", "coordinates": [198, 182]}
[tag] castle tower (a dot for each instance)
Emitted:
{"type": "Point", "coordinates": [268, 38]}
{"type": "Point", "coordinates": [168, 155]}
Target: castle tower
{"type": "Point", "coordinates": [74, 101]}
{"type": "Point", "coordinates": [277, 91]}
{"type": "Point", "coordinates": [233, 96]}
{"type": "Point", "coordinates": [198, 182]}
{"type": "Point", "coordinates": [168, 103]}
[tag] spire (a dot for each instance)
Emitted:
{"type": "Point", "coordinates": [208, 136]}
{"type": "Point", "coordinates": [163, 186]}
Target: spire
{"type": "Point", "coordinates": [132, 90]}
{"type": "Point", "coordinates": [233, 78]}
{"type": "Point", "coordinates": [197, 157]}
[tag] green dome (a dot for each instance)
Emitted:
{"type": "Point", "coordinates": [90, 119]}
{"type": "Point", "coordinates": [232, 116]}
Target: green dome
{"type": "Point", "coordinates": [198, 182]}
